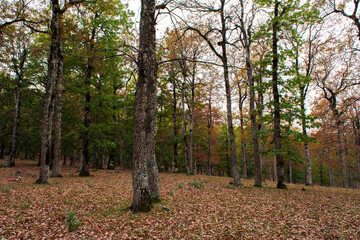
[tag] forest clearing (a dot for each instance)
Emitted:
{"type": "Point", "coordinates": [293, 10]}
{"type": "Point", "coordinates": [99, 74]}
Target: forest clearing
{"type": "Point", "coordinates": [191, 207]}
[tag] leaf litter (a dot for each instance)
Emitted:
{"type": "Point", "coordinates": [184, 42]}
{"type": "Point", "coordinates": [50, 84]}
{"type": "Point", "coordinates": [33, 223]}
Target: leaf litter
{"type": "Point", "coordinates": [192, 207]}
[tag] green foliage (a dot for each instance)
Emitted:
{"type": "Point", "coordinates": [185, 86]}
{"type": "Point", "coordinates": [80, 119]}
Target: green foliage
{"type": "Point", "coordinates": [181, 185]}
{"type": "Point", "coordinates": [196, 184]}
{"type": "Point", "coordinates": [5, 189]}
{"type": "Point", "coordinates": [71, 220]}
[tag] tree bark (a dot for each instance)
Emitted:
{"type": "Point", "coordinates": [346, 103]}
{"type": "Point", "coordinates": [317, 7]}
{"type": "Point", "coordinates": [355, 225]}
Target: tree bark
{"type": "Point", "coordinates": [209, 126]}
{"type": "Point", "coordinates": [342, 152]}
{"type": "Point", "coordinates": [175, 127]}
{"type": "Point", "coordinates": [84, 171]}
{"type": "Point", "coordinates": [276, 95]}
{"type": "Point", "coordinates": [184, 130]}
{"type": "Point", "coordinates": [58, 107]}
{"type": "Point", "coordinates": [47, 108]}
{"type": "Point", "coordinates": [235, 167]}
{"type": "Point", "coordinates": [143, 162]}
{"type": "Point", "coordinates": [242, 98]}
{"type": "Point", "coordinates": [10, 160]}
{"type": "Point", "coordinates": [356, 126]}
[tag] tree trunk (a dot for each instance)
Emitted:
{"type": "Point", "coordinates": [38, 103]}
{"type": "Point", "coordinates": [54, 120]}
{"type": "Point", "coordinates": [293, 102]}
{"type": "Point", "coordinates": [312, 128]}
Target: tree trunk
{"type": "Point", "coordinates": [209, 126]}
{"type": "Point", "coordinates": [122, 165]}
{"type": "Point", "coordinates": [58, 106]}
{"type": "Point", "coordinates": [191, 125]}
{"type": "Point", "coordinates": [342, 152]}
{"type": "Point", "coordinates": [151, 124]}
{"type": "Point", "coordinates": [290, 173]}
{"type": "Point", "coordinates": [10, 160]}
{"type": "Point", "coordinates": [356, 127]}
{"type": "Point", "coordinates": [143, 163]}
{"type": "Point", "coordinates": [331, 177]}
{"type": "Point", "coordinates": [176, 166]}
{"type": "Point", "coordinates": [242, 98]}
{"type": "Point", "coordinates": [110, 163]}
{"type": "Point", "coordinates": [2, 152]}
{"type": "Point", "coordinates": [184, 130]}
{"type": "Point", "coordinates": [84, 171]}
{"type": "Point", "coordinates": [235, 167]}
{"type": "Point", "coordinates": [47, 108]}
{"type": "Point", "coordinates": [276, 95]}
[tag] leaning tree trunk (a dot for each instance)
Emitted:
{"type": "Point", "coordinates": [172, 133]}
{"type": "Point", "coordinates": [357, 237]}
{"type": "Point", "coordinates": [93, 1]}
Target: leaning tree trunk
{"type": "Point", "coordinates": [52, 74]}
{"type": "Point", "coordinates": [10, 160]}
{"type": "Point", "coordinates": [142, 195]}
{"type": "Point", "coordinates": [277, 117]}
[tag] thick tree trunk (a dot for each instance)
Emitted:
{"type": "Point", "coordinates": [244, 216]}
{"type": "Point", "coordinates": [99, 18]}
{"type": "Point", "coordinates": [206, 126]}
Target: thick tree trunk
{"type": "Point", "coordinates": [10, 160]}
{"type": "Point", "coordinates": [58, 106]}
{"type": "Point", "coordinates": [276, 95]}
{"type": "Point", "coordinates": [144, 122]}
{"type": "Point", "coordinates": [151, 124]}
{"type": "Point", "coordinates": [47, 108]}
{"type": "Point", "coordinates": [84, 171]}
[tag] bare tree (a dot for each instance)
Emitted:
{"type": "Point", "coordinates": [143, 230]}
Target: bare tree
{"type": "Point", "coordinates": [335, 80]}
{"type": "Point", "coordinates": [221, 40]}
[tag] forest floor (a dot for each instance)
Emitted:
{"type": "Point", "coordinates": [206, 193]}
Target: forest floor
{"type": "Point", "coordinates": [194, 207]}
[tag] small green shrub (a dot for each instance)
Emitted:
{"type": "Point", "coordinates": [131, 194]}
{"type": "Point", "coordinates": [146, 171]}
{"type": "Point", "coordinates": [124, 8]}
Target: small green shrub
{"type": "Point", "coordinates": [5, 189]}
{"type": "Point", "coordinates": [181, 185]}
{"type": "Point", "coordinates": [197, 184]}
{"type": "Point", "coordinates": [71, 221]}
